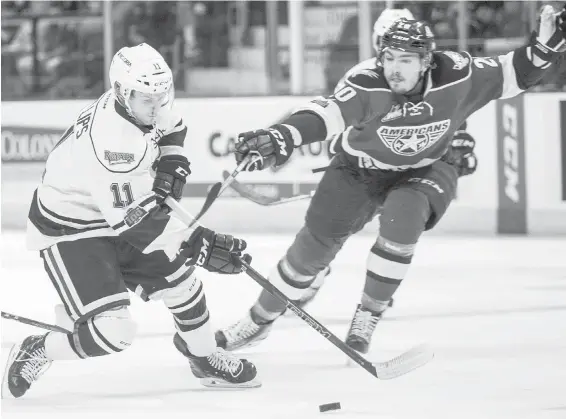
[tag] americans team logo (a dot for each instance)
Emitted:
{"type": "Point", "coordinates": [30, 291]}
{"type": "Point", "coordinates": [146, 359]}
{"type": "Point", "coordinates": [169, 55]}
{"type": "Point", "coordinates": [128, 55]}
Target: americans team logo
{"type": "Point", "coordinates": [410, 141]}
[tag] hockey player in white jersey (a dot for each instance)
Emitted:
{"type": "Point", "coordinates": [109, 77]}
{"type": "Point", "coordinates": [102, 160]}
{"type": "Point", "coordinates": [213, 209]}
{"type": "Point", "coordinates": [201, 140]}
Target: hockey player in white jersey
{"type": "Point", "coordinates": [100, 226]}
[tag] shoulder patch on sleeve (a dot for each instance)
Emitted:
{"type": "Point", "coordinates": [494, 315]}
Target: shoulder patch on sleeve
{"type": "Point", "coordinates": [368, 79]}
{"type": "Point", "coordinates": [450, 67]}
{"type": "Point", "coordinates": [174, 138]}
{"type": "Point", "coordinates": [460, 62]}
{"type": "Point", "coordinates": [172, 131]}
{"type": "Point", "coordinates": [364, 65]}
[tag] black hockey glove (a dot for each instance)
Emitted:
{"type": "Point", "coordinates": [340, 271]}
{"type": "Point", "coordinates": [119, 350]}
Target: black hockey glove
{"type": "Point", "coordinates": [461, 154]}
{"type": "Point", "coordinates": [171, 174]}
{"type": "Point", "coordinates": [550, 39]}
{"type": "Point", "coordinates": [218, 253]}
{"type": "Point", "coordinates": [265, 147]}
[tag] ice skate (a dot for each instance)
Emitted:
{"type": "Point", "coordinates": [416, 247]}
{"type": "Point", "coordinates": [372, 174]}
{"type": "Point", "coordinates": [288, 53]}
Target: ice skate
{"type": "Point", "coordinates": [361, 329]}
{"type": "Point", "coordinates": [243, 334]}
{"type": "Point", "coordinates": [220, 369]}
{"type": "Point", "coordinates": [26, 362]}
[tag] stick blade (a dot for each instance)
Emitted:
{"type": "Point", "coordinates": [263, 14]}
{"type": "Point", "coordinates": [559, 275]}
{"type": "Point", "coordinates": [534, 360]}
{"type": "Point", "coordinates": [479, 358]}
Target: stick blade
{"type": "Point", "coordinates": [406, 362]}
{"type": "Point", "coordinates": [210, 198]}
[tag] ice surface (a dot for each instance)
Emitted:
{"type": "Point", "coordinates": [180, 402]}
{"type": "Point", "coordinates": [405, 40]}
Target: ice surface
{"type": "Point", "coordinates": [494, 310]}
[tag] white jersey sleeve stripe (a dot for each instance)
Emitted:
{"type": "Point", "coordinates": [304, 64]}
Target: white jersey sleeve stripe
{"type": "Point", "coordinates": [53, 226]}
{"type": "Point", "coordinates": [510, 86]}
{"type": "Point", "coordinates": [68, 221]}
{"type": "Point", "coordinates": [168, 150]}
{"type": "Point", "coordinates": [329, 112]}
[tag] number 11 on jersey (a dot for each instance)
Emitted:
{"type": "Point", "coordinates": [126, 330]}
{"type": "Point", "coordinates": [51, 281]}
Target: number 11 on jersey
{"type": "Point", "coordinates": [120, 202]}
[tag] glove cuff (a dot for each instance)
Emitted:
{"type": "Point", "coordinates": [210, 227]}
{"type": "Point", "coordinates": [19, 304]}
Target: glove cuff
{"type": "Point", "coordinates": [285, 143]}
{"type": "Point", "coordinates": [550, 50]}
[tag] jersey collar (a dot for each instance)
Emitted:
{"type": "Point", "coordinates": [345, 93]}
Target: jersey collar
{"type": "Point", "coordinates": [428, 82]}
{"type": "Point", "coordinates": [124, 114]}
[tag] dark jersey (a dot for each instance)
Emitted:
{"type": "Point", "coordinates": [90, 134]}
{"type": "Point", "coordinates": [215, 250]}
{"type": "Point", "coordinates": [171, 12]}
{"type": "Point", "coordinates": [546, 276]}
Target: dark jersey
{"type": "Point", "coordinates": [386, 130]}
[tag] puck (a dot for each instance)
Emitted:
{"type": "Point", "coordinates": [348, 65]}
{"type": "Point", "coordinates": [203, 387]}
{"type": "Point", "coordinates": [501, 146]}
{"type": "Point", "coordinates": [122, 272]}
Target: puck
{"type": "Point", "coordinates": [329, 406]}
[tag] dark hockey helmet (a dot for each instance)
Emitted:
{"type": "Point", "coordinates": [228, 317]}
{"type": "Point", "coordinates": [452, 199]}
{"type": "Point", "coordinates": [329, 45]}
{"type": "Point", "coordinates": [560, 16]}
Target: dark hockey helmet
{"type": "Point", "coordinates": [411, 36]}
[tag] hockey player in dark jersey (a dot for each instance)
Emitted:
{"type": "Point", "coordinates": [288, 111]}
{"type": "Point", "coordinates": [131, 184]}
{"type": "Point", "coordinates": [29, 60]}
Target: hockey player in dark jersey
{"type": "Point", "coordinates": [396, 121]}
{"type": "Point", "coordinates": [460, 152]}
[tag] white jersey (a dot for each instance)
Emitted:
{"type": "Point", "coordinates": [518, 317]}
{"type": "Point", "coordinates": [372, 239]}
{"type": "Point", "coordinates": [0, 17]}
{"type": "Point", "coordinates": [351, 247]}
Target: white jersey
{"type": "Point", "coordinates": [98, 182]}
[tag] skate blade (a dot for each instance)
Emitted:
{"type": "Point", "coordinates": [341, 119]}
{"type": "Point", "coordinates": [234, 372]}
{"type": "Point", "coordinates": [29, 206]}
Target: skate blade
{"type": "Point", "coordinates": [6, 393]}
{"type": "Point", "coordinates": [214, 382]}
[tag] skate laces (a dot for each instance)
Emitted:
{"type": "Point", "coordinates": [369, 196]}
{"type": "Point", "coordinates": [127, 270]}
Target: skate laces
{"type": "Point", "coordinates": [225, 362]}
{"type": "Point", "coordinates": [363, 323]}
{"type": "Point", "coordinates": [244, 329]}
{"type": "Point", "coordinates": [34, 366]}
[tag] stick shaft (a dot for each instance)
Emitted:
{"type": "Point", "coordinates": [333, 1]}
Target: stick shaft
{"type": "Point", "coordinates": [35, 323]}
{"type": "Point", "coordinates": [269, 287]}
{"type": "Point", "coordinates": [307, 318]}
{"type": "Point", "coordinates": [215, 191]}
{"type": "Point", "coordinates": [233, 175]}
{"type": "Point", "coordinates": [293, 198]}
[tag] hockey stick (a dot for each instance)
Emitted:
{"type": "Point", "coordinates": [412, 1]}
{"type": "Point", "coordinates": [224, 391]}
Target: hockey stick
{"type": "Point", "coordinates": [251, 194]}
{"type": "Point", "coordinates": [400, 365]}
{"type": "Point", "coordinates": [35, 323]}
{"type": "Point", "coordinates": [320, 169]}
{"type": "Point", "coordinates": [217, 189]}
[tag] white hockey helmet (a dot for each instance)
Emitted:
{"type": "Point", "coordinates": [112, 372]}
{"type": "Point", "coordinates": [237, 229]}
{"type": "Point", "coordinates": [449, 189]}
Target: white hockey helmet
{"type": "Point", "coordinates": [143, 69]}
{"type": "Point", "coordinates": [384, 22]}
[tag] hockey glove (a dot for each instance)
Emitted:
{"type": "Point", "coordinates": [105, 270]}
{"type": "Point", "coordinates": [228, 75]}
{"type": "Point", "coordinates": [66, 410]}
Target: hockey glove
{"type": "Point", "coordinates": [461, 154]}
{"type": "Point", "coordinates": [171, 174]}
{"type": "Point", "coordinates": [218, 253]}
{"type": "Point", "coordinates": [550, 40]}
{"type": "Point", "coordinates": [265, 147]}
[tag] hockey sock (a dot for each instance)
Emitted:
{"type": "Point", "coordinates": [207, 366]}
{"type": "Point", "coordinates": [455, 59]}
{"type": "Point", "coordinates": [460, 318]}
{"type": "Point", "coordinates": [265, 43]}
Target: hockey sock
{"type": "Point", "coordinates": [187, 303]}
{"type": "Point", "coordinates": [385, 271]}
{"type": "Point", "coordinates": [288, 280]}
{"type": "Point", "coordinates": [200, 341]}
{"type": "Point", "coordinates": [58, 347]}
